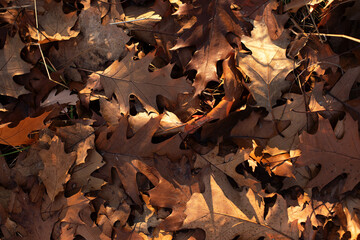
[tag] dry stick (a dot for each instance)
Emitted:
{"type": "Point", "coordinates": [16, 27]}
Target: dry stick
{"type": "Point", "coordinates": [16, 7]}
{"type": "Point", "coordinates": [129, 21]}
{"type": "Point", "coordinates": [337, 35]}
{"type": "Point", "coordinates": [316, 28]}
{"type": "Point", "coordinates": [39, 45]}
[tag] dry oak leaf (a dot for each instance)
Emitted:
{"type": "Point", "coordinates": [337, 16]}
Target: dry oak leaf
{"type": "Point", "coordinates": [120, 152]}
{"type": "Point", "coordinates": [54, 24]}
{"type": "Point", "coordinates": [224, 213]}
{"type": "Point", "coordinates": [31, 220]}
{"type": "Point", "coordinates": [295, 111]}
{"type": "Point", "coordinates": [267, 66]}
{"type": "Point", "coordinates": [227, 165]}
{"type": "Point", "coordinates": [81, 174]}
{"type": "Point", "coordinates": [56, 166]}
{"type": "Point", "coordinates": [217, 26]}
{"type": "Point", "coordinates": [79, 138]}
{"type": "Point", "coordinates": [64, 96]}
{"type": "Point", "coordinates": [310, 210]}
{"type": "Point", "coordinates": [11, 65]}
{"type": "Point", "coordinates": [19, 135]}
{"type": "Point", "coordinates": [89, 230]}
{"type": "Point", "coordinates": [351, 207]}
{"type": "Point", "coordinates": [96, 46]}
{"type": "Point", "coordinates": [331, 103]}
{"type": "Point", "coordinates": [127, 77]}
{"type": "Point", "coordinates": [68, 208]}
{"type": "Point", "coordinates": [336, 156]}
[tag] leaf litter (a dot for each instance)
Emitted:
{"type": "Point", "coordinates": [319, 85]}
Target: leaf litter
{"type": "Point", "coordinates": [179, 120]}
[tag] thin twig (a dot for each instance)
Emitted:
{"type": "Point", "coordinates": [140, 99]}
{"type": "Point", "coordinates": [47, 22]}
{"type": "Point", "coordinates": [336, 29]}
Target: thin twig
{"type": "Point", "coordinates": [316, 28]}
{"type": "Point", "coordinates": [16, 7]}
{"type": "Point", "coordinates": [337, 35]}
{"type": "Point", "coordinates": [41, 52]}
{"type": "Point", "coordinates": [130, 21]}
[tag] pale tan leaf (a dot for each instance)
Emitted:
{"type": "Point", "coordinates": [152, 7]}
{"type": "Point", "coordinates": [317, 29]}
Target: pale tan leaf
{"type": "Point", "coordinates": [64, 96]}
{"type": "Point", "coordinates": [54, 24]}
{"type": "Point", "coordinates": [224, 213]}
{"type": "Point", "coordinates": [267, 66]}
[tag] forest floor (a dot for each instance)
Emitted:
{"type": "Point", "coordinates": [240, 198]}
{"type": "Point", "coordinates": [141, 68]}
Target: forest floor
{"type": "Point", "coordinates": [179, 119]}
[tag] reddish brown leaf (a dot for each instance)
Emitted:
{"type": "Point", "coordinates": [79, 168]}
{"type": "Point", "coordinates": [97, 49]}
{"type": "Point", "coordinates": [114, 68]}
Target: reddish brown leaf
{"type": "Point", "coordinates": [18, 135]}
{"type": "Point", "coordinates": [336, 156]}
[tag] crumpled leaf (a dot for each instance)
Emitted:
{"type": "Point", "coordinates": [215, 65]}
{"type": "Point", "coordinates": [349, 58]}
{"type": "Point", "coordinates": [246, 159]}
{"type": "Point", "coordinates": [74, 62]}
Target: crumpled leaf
{"type": "Point", "coordinates": [309, 209]}
{"type": "Point", "coordinates": [267, 66]}
{"type": "Point", "coordinates": [56, 166]}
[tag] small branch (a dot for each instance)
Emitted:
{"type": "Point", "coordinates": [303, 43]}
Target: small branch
{"type": "Point", "coordinates": [130, 21]}
{"type": "Point", "coordinates": [337, 35]}
{"type": "Point", "coordinates": [16, 7]}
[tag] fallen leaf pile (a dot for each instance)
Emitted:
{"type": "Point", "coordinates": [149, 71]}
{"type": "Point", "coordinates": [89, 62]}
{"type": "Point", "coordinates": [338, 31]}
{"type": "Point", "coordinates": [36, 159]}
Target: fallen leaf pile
{"type": "Point", "coordinates": [179, 120]}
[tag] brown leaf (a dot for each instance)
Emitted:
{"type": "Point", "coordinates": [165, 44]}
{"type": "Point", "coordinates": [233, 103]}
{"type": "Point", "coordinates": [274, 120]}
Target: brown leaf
{"type": "Point", "coordinates": [336, 156]}
{"type": "Point", "coordinates": [79, 138]}
{"type": "Point", "coordinates": [224, 213]}
{"type": "Point", "coordinates": [267, 66]}
{"type": "Point", "coordinates": [232, 81]}
{"type": "Point", "coordinates": [215, 24]}
{"type": "Point", "coordinates": [320, 56]}
{"type": "Point", "coordinates": [5, 174]}
{"type": "Point", "coordinates": [295, 111]}
{"type": "Point", "coordinates": [11, 65]}
{"type": "Point", "coordinates": [227, 165]}
{"type": "Point", "coordinates": [127, 76]}
{"type": "Point", "coordinates": [81, 174]}
{"type": "Point", "coordinates": [119, 152]}
{"type": "Point", "coordinates": [54, 24]}
{"type": "Point", "coordinates": [30, 219]}
{"type": "Point", "coordinates": [56, 166]}
{"type": "Point", "coordinates": [99, 43]}
{"type": "Point", "coordinates": [274, 22]}
{"type": "Point", "coordinates": [110, 111]}
{"type": "Point", "coordinates": [241, 127]}
{"type": "Point", "coordinates": [18, 135]}
{"type": "Point", "coordinates": [331, 104]}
